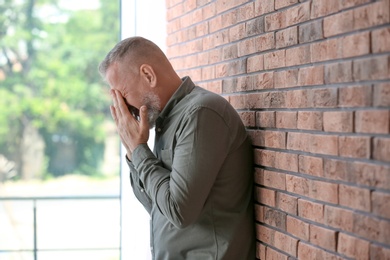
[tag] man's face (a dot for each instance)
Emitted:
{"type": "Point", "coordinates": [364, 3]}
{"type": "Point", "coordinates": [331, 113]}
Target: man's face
{"type": "Point", "coordinates": [134, 93]}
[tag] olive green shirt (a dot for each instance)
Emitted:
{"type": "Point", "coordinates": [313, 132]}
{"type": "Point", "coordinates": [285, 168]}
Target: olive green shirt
{"type": "Point", "coordinates": [197, 184]}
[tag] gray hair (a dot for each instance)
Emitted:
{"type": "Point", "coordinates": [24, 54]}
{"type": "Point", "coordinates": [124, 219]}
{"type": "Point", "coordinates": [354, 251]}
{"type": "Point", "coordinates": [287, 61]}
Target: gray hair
{"type": "Point", "coordinates": [133, 47]}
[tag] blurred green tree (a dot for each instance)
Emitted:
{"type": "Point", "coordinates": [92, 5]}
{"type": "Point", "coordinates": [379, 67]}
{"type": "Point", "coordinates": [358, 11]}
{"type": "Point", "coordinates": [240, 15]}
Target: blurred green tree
{"type": "Point", "coordinates": [54, 105]}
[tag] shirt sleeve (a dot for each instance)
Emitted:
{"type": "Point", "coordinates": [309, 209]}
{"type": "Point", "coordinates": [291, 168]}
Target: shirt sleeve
{"type": "Point", "coordinates": [201, 148]}
{"type": "Point", "coordinates": [138, 188]}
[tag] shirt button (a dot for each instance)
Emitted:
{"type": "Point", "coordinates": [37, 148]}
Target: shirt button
{"type": "Point", "coordinates": [159, 129]}
{"type": "Point", "coordinates": [142, 190]}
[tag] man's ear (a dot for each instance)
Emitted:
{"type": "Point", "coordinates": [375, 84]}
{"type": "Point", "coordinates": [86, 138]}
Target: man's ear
{"type": "Point", "coordinates": [147, 73]}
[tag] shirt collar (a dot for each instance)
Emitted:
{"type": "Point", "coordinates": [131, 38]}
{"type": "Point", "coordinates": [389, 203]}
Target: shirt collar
{"type": "Point", "coordinates": [186, 87]}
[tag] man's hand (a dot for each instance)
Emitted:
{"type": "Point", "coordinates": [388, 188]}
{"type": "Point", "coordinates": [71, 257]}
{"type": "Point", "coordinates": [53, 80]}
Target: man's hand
{"type": "Point", "coordinates": [131, 132]}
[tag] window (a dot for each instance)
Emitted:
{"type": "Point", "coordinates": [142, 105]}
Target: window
{"type": "Point", "coordinates": [59, 151]}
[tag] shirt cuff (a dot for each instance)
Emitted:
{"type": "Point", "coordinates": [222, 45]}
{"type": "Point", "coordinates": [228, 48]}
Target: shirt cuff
{"type": "Point", "coordinates": [140, 153]}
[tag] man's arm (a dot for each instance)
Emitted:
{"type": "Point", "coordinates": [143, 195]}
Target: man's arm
{"type": "Point", "coordinates": [138, 189]}
{"type": "Point", "coordinates": [201, 149]}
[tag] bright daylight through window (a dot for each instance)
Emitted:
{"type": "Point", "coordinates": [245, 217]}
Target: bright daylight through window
{"type": "Point", "coordinates": [59, 150]}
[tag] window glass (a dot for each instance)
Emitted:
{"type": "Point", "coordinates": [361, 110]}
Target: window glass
{"type": "Point", "coordinates": [59, 150]}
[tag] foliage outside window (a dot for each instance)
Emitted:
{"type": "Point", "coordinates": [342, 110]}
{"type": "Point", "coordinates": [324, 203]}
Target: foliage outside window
{"type": "Point", "coordinates": [54, 116]}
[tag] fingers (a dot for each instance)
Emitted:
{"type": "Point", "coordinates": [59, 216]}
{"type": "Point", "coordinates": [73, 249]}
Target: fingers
{"type": "Point", "coordinates": [119, 104]}
{"type": "Point", "coordinates": [144, 124]}
{"type": "Point", "coordinates": [113, 113]}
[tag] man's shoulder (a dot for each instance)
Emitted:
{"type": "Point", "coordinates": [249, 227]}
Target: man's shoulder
{"type": "Point", "coordinates": [202, 97]}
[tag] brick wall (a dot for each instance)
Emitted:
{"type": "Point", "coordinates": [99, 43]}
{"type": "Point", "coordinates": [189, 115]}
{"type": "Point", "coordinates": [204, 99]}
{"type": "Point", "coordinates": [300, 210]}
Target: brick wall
{"type": "Point", "coordinates": [311, 81]}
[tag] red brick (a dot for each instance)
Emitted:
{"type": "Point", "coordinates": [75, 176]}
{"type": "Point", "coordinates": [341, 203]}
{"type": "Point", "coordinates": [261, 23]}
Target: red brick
{"type": "Point", "coordinates": [354, 197]}
{"type": "Point", "coordinates": [283, 3]}
{"type": "Point", "coordinates": [265, 42]}
{"type": "Point", "coordinates": [214, 86]}
{"type": "Point", "coordinates": [372, 121]}
{"type": "Point", "coordinates": [263, 80]}
{"type": "Point", "coordinates": [355, 146]}
{"type": "Point", "coordinates": [209, 11]}
{"type": "Point", "coordinates": [255, 26]}
{"type": "Point", "coordinates": [285, 119]}
{"type": "Point", "coordinates": [253, 101]}
{"type": "Point", "coordinates": [324, 144]}
{"type": "Point", "coordinates": [270, 139]}
{"type": "Point", "coordinates": [356, 44]}
{"type": "Point", "coordinates": [356, 96]}
{"type": "Point", "coordinates": [297, 185]}
{"type": "Point", "coordinates": [275, 99]}
{"type": "Point", "coordinates": [298, 228]}
{"type": "Point", "coordinates": [372, 68]}
{"type": "Point", "coordinates": [259, 213]}
{"type": "Point", "coordinates": [238, 101]}
{"type": "Point", "coordinates": [371, 15]}
{"type": "Point", "coordinates": [306, 251]}
{"type": "Point", "coordinates": [353, 3]}
{"type": "Point", "coordinates": [338, 23]}
{"type": "Point", "coordinates": [323, 237]}
{"type": "Point", "coordinates": [326, 50]}
{"type": "Point", "coordinates": [311, 165]}
{"type": "Point", "coordinates": [338, 72]}
{"type": "Point", "coordinates": [336, 169]}
{"type": "Point", "coordinates": [265, 196]}
{"type": "Point", "coordinates": [286, 243]}
{"type": "Point", "coordinates": [248, 118]}
{"type": "Point", "coordinates": [381, 204]}
{"type": "Point", "coordinates": [275, 218]}
{"type": "Point", "coordinates": [323, 97]}
{"type": "Point", "coordinates": [353, 247]}
{"type": "Point", "coordinates": [381, 149]}
{"type": "Point", "coordinates": [384, 227]}
{"type": "Point", "coordinates": [220, 38]}
{"type": "Point", "coordinates": [225, 5]}
{"type": "Point", "coordinates": [273, 254]}
{"type": "Point", "coordinates": [286, 161]}
{"type": "Point", "coordinates": [273, 179]}
{"type": "Point", "coordinates": [321, 8]}
{"type": "Point", "coordinates": [260, 251]}
{"type": "Point", "coordinates": [255, 63]}
{"type": "Point", "coordinates": [230, 68]}
{"type": "Point", "coordinates": [381, 95]}
{"type": "Point", "coordinates": [208, 73]}
{"type": "Point", "coordinates": [311, 31]}
{"type": "Point", "coordinates": [298, 141]}
{"type": "Point", "coordinates": [229, 52]}
{"type": "Point", "coordinates": [263, 7]}
{"type": "Point", "coordinates": [298, 55]}
{"type": "Point", "coordinates": [297, 98]}
{"type": "Point", "coordinates": [338, 121]}
{"type": "Point", "coordinates": [311, 210]}
{"type": "Point", "coordinates": [379, 252]}
{"type": "Point", "coordinates": [287, 37]}
{"type": "Point", "coordinates": [246, 12]}
{"type": "Point", "coordinates": [310, 120]}
{"type": "Point", "coordinates": [380, 40]}
{"type": "Point", "coordinates": [297, 14]}
{"type": "Point", "coordinates": [246, 47]}
{"type": "Point", "coordinates": [369, 174]}
{"type": "Point", "coordinates": [265, 119]}
{"type": "Point", "coordinates": [275, 59]}
{"type": "Point", "coordinates": [311, 76]}
{"type": "Point", "coordinates": [323, 191]}
{"type": "Point", "coordinates": [265, 234]}
{"type": "Point", "coordinates": [274, 21]}
{"type": "Point", "coordinates": [236, 32]}
{"type": "Point", "coordinates": [339, 218]}
{"type": "Point", "coordinates": [286, 78]}
{"type": "Point", "coordinates": [287, 203]}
